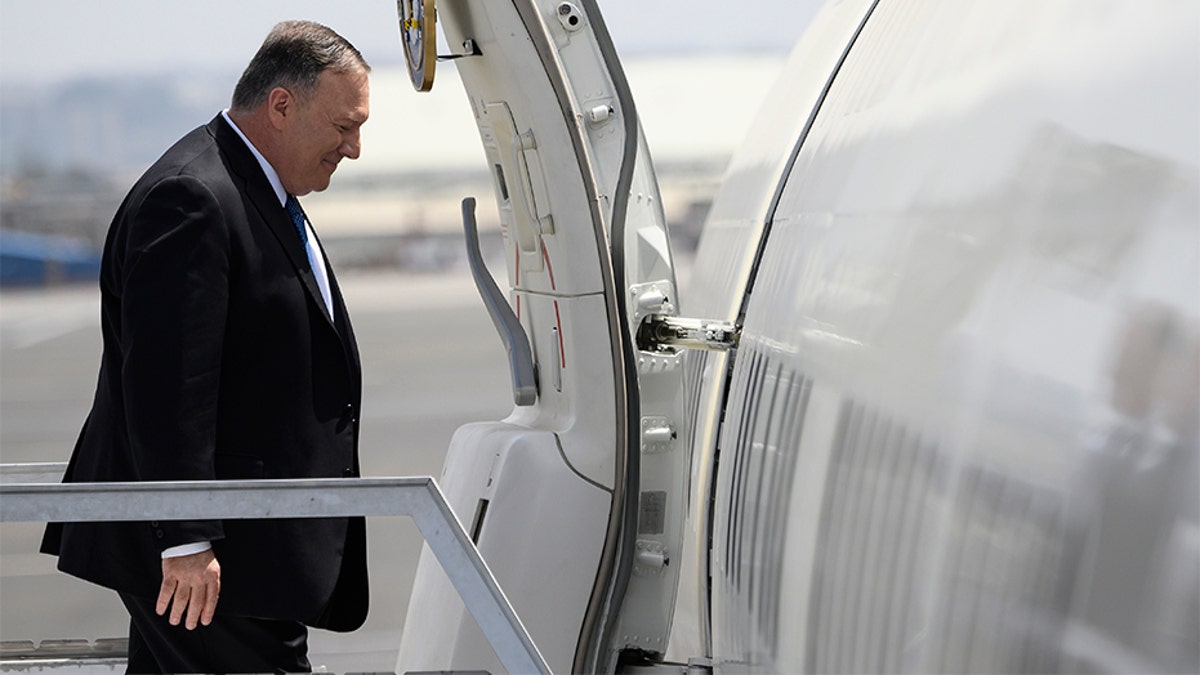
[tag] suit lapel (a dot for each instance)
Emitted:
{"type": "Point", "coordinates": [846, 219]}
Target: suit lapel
{"type": "Point", "coordinates": [349, 344]}
{"type": "Point", "coordinates": [256, 187]}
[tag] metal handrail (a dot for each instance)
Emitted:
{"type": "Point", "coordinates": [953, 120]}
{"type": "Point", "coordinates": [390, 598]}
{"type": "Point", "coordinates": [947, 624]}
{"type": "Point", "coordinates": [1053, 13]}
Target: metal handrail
{"type": "Point", "coordinates": [417, 497]}
{"type": "Point", "coordinates": [33, 472]}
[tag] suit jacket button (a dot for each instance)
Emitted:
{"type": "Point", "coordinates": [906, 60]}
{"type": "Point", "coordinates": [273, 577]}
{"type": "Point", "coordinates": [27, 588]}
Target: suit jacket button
{"type": "Point", "coordinates": [159, 534]}
{"type": "Point", "coordinates": [348, 472]}
{"type": "Point", "coordinates": [154, 523]}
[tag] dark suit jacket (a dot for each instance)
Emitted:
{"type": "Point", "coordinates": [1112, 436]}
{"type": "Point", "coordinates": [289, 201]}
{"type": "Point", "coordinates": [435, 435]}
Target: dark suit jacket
{"type": "Point", "coordinates": [220, 362]}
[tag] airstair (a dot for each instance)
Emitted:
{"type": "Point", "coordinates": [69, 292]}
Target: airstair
{"type": "Point", "coordinates": [34, 493]}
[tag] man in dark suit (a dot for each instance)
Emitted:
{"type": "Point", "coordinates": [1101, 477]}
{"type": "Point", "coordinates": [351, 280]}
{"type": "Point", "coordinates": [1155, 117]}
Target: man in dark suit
{"type": "Point", "coordinates": [228, 354]}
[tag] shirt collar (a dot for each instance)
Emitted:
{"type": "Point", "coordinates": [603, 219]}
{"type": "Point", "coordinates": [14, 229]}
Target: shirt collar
{"type": "Point", "coordinates": [272, 176]}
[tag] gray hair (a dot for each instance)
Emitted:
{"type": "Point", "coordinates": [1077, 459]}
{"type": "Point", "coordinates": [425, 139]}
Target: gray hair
{"type": "Point", "coordinates": [293, 56]}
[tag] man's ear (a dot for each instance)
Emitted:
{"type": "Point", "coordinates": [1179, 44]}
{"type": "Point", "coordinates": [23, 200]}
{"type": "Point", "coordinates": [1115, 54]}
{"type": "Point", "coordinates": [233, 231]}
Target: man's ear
{"type": "Point", "coordinates": [280, 105]}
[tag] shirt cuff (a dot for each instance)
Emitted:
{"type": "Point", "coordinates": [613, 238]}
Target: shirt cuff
{"type": "Point", "coordinates": [186, 549]}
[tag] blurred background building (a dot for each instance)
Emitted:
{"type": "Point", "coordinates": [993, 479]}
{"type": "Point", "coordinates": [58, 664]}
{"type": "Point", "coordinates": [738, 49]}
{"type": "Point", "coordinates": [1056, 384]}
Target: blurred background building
{"type": "Point", "coordinates": [91, 95]}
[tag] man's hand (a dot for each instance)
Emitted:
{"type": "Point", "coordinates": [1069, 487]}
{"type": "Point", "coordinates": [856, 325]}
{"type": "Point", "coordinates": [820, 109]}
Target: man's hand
{"type": "Point", "coordinates": [194, 581]}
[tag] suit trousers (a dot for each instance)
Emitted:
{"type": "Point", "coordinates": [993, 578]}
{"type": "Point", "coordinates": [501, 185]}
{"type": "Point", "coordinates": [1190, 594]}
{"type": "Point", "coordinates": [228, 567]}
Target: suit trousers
{"type": "Point", "coordinates": [230, 644]}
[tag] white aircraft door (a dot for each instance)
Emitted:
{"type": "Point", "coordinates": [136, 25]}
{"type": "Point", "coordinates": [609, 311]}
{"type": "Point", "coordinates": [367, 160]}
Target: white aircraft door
{"type": "Point", "coordinates": [576, 499]}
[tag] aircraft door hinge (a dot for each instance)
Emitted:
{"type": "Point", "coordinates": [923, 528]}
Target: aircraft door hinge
{"type": "Point", "coordinates": [659, 333]}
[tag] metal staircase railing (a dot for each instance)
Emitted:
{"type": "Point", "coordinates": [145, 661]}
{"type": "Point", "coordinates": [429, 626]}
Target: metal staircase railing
{"type": "Point", "coordinates": [28, 495]}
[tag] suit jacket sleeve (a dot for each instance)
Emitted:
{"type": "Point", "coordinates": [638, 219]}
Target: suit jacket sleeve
{"type": "Point", "coordinates": [174, 280]}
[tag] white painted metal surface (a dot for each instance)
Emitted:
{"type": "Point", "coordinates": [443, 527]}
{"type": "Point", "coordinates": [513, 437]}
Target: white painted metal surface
{"type": "Point", "coordinates": [583, 229]}
{"type": "Point", "coordinates": [962, 241]}
{"type": "Point", "coordinates": [961, 433]}
{"type": "Point", "coordinates": [724, 262]}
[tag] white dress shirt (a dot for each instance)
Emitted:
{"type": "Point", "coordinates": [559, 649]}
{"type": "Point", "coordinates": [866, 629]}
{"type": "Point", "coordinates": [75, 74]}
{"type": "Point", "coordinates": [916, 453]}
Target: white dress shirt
{"type": "Point", "coordinates": [314, 251]}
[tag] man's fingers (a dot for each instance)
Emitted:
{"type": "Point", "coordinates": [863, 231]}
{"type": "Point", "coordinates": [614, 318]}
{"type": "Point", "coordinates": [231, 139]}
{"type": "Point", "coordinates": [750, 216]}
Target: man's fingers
{"type": "Point", "coordinates": [212, 590]}
{"type": "Point", "coordinates": [182, 593]}
{"type": "Point", "coordinates": [164, 595]}
{"type": "Point", "coordinates": [191, 584]}
{"type": "Point", "coordinates": [195, 604]}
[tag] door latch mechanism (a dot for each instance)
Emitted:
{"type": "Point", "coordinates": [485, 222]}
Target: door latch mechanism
{"type": "Point", "coordinates": [659, 333]}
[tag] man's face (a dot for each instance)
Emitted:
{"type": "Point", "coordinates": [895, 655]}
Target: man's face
{"type": "Point", "coordinates": [322, 130]}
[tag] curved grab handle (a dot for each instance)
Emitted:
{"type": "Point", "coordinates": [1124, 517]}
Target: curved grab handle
{"type": "Point", "coordinates": [512, 333]}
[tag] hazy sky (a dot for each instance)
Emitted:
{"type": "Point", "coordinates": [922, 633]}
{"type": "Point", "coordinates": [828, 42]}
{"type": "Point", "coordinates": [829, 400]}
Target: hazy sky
{"type": "Point", "coordinates": [50, 40]}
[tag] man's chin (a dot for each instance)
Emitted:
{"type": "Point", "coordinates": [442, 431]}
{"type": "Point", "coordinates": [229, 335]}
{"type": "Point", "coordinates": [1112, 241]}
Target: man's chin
{"type": "Point", "coordinates": [314, 188]}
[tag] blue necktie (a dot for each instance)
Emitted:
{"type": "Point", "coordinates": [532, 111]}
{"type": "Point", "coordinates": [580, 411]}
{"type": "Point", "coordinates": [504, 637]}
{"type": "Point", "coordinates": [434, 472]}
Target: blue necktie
{"type": "Point", "coordinates": [293, 208]}
{"type": "Point", "coordinates": [292, 205]}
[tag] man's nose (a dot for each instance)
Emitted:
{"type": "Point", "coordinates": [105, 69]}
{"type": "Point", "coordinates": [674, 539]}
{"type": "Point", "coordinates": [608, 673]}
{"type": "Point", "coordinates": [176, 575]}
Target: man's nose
{"type": "Point", "coordinates": [351, 147]}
